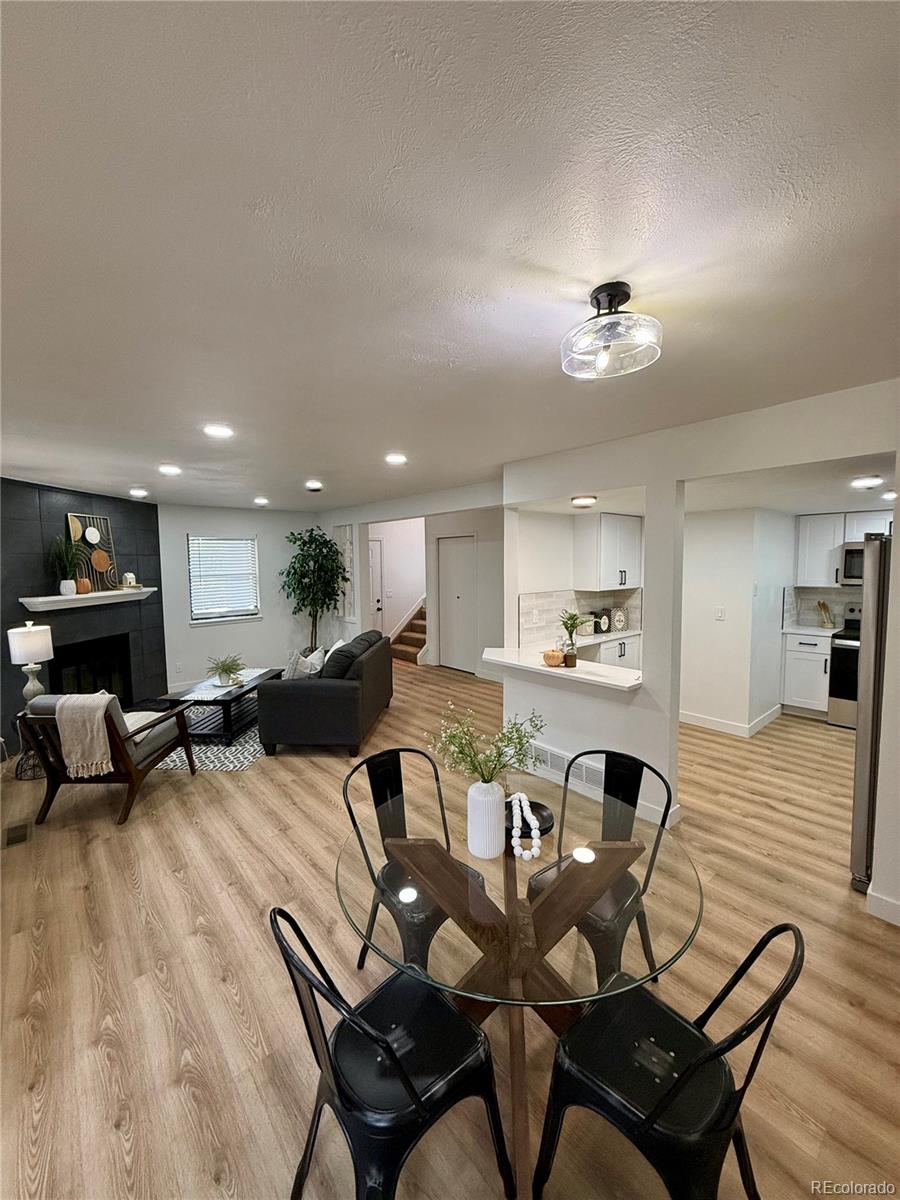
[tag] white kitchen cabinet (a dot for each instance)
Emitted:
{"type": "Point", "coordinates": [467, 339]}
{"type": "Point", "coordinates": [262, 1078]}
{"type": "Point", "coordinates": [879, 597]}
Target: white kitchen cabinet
{"type": "Point", "coordinates": [625, 652]}
{"type": "Point", "coordinates": [607, 552]}
{"type": "Point", "coordinates": [806, 679]}
{"type": "Point", "coordinates": [819, 541]}
{"type": "Point", "coordinates": [857, 525]}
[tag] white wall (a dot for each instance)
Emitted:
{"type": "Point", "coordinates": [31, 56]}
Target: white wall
{"type": "Point", "coordinates": [263, 641]}
{"type": "Point", "coordinates": [545, 552]}
{"type": "Point", "coordinates": [773, 571]}
{"type": "Point", "coordinates": [487, 526]}
{"type": "Point", "coordinates": [715, 655]}
{"type": "Point", "coordinates": [403, 567]}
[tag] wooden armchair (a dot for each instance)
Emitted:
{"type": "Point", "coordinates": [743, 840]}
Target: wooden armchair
{"type": "Point", "coordinates": [132, 761]}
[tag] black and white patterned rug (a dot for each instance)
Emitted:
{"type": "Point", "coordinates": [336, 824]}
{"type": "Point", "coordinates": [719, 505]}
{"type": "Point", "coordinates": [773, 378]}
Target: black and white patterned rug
{"type": "Point", "coordinates": [210, 756]}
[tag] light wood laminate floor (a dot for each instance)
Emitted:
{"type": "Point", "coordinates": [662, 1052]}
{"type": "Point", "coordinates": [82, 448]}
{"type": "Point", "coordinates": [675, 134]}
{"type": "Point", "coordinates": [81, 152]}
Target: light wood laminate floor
{"type": "Point", "coordinates": [152, 1046]}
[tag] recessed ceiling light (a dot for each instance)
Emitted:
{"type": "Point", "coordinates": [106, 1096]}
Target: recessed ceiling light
{"type": "Point", "coordinates": [395, 459]}
{"type": "Point", "coordinates": [866, 482]}
{"type": "Point", "coordinates": [261, 501]}
{"type": "Point", "coordinates": [583, 854]}
{"type": "Point", "coordinates": [612, 342]}
{"type": "Point", "coordinates": [889, 495]}
{"type": "Point", "coordinates": [215, 430]}
{"type": "Point", "coordinates": [313, 485]}
{"type": "Point", "coordinates": [584, 501]}
{"type": "Point", "coordinates": [138, 492]}
{"type": "Point", "coordinates": [169, 469]}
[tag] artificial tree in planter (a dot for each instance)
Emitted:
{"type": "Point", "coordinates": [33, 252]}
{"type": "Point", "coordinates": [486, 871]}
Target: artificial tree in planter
{"type": "Point", "coordinates": [461, 747]}
{"type": "Point", "coordinates": [314, 579]}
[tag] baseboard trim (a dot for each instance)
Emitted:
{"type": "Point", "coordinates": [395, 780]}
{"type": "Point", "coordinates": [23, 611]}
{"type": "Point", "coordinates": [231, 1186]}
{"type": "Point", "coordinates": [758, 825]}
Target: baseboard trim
{"type": "Point", "coordinates": [732, 727]}
{"type": "Point", "coordinates": [884, 907]}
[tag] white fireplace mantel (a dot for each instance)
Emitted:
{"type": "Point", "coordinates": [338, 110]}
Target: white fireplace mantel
{"type": "Point", "coordinates": [85, 600]}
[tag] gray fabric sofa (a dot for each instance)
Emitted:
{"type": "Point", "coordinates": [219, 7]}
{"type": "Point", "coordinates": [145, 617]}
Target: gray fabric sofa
{"type": "Point", "coordinates": [338, 706]}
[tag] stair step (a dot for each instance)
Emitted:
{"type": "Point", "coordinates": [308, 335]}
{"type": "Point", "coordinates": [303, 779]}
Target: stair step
{"type": "Point", "coordinates": [420, 615]}
{"type": "Point", "coordinates": [406, 653]}
{"type": "Point", "coordinates": [417, 625]}
{"type": "Point", "coordinates": [408, 638]}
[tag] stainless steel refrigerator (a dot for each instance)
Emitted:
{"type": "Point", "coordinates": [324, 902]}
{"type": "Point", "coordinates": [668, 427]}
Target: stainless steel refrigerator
{"type": "Point", "coordinates": [872, 639]}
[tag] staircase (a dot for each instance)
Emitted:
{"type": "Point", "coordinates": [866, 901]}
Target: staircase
{"type": "Point", "coordinates": [410, 640]}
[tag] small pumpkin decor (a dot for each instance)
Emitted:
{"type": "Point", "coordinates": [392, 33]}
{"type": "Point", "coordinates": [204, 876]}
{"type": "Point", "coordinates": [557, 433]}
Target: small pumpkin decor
{"type": "Point", "coordinates": [553, 658]}
{"type": "Point", "coordinates": [82, 585]}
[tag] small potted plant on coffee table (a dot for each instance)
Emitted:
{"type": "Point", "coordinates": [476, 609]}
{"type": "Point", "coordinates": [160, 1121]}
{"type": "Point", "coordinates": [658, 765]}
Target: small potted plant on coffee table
{"type": "Point", "coordinates": [227, 669]}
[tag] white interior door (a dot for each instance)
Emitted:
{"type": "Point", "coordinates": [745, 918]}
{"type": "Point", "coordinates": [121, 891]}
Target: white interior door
{"type": "Point", "coordinates": [457, 599]}
{"type": "Point", "coordinates": [376, 584]}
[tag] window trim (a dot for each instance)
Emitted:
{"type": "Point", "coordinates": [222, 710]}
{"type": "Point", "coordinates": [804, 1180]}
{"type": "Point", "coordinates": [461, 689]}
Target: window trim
{"type": "Point", "coordinates": [223, 618]}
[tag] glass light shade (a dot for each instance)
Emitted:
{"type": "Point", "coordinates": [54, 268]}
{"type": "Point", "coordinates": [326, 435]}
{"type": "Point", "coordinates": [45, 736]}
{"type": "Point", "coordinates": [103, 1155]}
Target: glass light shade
{"type": "Point", "coordinates": [29, 644]}
{"type": "Point", "coordinates": [611, 344]}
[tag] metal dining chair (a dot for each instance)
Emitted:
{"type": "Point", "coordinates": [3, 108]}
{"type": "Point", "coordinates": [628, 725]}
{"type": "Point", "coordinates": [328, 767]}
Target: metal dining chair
{"type": "Point", "coordinates": [391, 1067]}
{"type": "Point", "coordinates": [605, 926]}
{"type": "Point", "coordinates": [662, 1082]}
{"type": "Point", "coordinates": [417, 916]}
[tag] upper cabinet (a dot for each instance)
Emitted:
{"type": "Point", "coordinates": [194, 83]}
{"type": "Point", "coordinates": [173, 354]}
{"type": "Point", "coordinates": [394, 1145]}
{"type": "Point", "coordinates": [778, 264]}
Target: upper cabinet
{"type": "Point", "coordinates": [608, 550]}
{"type": "Point", "coordinates": [857, 525]}
{"type": "Point", "coordinates": [819, 541]}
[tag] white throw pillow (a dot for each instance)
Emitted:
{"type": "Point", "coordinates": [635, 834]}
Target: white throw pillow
{"type": "Point", "coordinates": [339, 642]}
{"type": "Point", "coordinates": [299, 667]}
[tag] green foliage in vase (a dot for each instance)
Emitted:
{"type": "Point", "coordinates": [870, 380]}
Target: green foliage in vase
{"type": "Point", "coordinates": [63, 559]}
{"type": "Point", "coordinates": [228, 665]}
{"type": "Point", "coordinates": [572, 622]}
{"type": "Point", "coordinates": [314, 579]}
{"type": "Point", "coordinates": [462, 747]}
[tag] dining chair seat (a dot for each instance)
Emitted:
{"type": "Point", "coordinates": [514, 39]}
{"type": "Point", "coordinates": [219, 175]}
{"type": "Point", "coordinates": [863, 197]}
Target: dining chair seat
{"type": "Point", "coordinates": [433, 1040]}
{"type": "Point", "coordinates": [394, 879]}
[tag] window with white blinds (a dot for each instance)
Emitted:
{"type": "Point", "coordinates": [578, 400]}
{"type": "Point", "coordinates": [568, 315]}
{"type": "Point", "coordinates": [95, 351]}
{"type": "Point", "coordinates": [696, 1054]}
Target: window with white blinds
{"type": "Point", "coordinates": [224, 577]}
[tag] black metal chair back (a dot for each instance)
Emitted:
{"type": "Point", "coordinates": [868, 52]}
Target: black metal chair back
{"type": "Point", "coordinates": [310, 982]}
{"type": "Point", "coordinates": [623, 779]}
{"type": "Point", "coordinates": [385, 775]}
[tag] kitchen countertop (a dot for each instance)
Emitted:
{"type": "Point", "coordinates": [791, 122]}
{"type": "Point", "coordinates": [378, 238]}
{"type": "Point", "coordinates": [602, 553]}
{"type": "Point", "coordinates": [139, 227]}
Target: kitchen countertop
{"type": "Point", "coordinates": [594, 674]}
{"type": "Point", "coordinates": [810, 630]}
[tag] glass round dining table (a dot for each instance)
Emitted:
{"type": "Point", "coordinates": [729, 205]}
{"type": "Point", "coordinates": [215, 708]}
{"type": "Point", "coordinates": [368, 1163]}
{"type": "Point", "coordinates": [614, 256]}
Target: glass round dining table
{"type": "Point", "coordinates": [613, 907]}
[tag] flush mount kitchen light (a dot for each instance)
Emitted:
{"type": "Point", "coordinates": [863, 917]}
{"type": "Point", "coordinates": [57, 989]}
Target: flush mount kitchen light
{"type": "Point", "coordinates": [865, 483]}
{"type": "Point", "coordinates": [612, 342]}
{"type": "Point", "coordinates": [262, 501]}
{"type": "Point", "coordinates": [889, 495]}
{"type": "Point", "coordinates": [216, 430]}
{"type": "Point", "coordinates": [138, 492]}
{"type": "Point", "coordinates": [169, 469]}
{"type": "Point", "coordinates": [584, 501]}
{"type": "Point", "coordinates": [395, 459]}
{"type": "Point", "coordinates": [313, 485]}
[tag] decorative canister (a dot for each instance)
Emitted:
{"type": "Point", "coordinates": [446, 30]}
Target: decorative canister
{"type": "Point", "coordinates": [67, 587]}
{"type": "Point", "coordinates": [486, 819]}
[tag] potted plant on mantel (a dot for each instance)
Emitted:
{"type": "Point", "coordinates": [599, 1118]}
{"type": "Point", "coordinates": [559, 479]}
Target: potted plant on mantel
{"type": "Point", "coordinates": [461, 747]}
{"type": "Point", "coordinates": [314, 578]}
{"type": "Point", "coordinates": [571, 623]}
{"type": "Point", "coordinates": [64, 565]}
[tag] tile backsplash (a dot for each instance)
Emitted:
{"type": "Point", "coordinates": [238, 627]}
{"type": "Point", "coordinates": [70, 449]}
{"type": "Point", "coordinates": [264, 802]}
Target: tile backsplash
{"type": "Point", "coordinates": [800, 604]}
{"type": "Point", "coordinates": [539, 612]}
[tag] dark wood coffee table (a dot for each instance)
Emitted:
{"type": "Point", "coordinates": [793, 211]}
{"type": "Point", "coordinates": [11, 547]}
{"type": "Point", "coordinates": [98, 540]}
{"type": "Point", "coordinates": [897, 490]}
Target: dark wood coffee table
{"type": "Point", "coordinates": [229, 711]}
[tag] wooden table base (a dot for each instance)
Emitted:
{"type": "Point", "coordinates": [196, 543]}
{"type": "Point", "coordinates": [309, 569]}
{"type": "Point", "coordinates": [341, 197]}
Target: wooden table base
{"type": "Point", "coordinates": [514, 944]}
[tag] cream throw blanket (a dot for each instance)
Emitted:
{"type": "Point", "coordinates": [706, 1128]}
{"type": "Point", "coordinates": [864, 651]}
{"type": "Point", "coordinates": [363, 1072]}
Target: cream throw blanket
{"type": "Point", "coordinates": [81, 721]}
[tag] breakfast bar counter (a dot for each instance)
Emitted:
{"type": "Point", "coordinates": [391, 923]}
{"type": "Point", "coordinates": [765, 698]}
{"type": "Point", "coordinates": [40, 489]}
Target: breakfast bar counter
{"type": "Point", "coordinates": [591, 674]}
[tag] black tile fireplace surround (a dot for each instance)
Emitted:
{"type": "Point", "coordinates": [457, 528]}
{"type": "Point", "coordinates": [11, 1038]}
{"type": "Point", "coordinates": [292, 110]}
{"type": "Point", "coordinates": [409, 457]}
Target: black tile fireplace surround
{"type": "Point", "coordinates": [32, 515]}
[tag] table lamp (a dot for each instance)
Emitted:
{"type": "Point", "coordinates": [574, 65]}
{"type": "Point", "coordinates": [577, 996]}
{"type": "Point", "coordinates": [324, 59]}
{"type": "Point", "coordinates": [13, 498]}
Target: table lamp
{"type": "Point", "coordinates": [29, 646]}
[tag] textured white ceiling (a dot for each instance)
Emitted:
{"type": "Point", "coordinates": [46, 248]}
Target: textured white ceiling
{"type": "Point", "coordinates": [350, 228]}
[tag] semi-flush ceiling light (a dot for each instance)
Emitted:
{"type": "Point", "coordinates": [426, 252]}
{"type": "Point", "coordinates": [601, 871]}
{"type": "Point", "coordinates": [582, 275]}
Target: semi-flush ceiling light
{"type": "Point", "coordinates": [169, 469]}
{"type": "Point", "coordinates": [313, 485]}
{"type": "Point", "coordinates": [612, 342]}
{"type": "Point", "coordinates": [261, 501]}
{"type": "Point", "coordinates": [865, 483]}
{"type": "Point", "coordinates": [395, 459]}
{"type": "Point", "coordinates": [584, 501]}
{"type": "Point", "coordinates": [215, 430]}
{"type": "Point", "coordinates": [138, 492]}
{"type": "Point", "coordinates": [889, 495]}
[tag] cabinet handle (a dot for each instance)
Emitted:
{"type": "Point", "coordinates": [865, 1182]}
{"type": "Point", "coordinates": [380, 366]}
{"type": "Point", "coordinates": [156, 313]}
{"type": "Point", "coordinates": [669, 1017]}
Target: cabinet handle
{"type": "Point", "coordinates": [836, 574]}
{"type": "Point", "coordinates": [807, 643]}
{"type": "Point", "coordinates": [825, 666]}
{"type": "Point", "coordinates": [625, 576]}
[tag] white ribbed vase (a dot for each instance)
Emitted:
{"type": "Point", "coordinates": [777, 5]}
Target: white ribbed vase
{"type": "Point", "coordinates": [486, 827]}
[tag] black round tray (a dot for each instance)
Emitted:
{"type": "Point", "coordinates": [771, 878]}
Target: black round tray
{"type": "Point", "coordinates": [543, 814]}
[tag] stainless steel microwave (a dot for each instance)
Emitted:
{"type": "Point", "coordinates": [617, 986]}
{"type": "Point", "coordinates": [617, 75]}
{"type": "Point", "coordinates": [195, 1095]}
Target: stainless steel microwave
{"type": "Point", "coordinates": [851, 568]}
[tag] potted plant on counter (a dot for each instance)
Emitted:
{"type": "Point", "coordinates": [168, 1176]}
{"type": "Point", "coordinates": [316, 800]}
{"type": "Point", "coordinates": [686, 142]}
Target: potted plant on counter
{"type": "Point", "coordinates": [64, 565]}
{"type": "Point", "coordinates": [461, 747]}
{"type": "Point", "coordinates": [571, 623]}
{"type": "Point", "coordinates": [227, 669]}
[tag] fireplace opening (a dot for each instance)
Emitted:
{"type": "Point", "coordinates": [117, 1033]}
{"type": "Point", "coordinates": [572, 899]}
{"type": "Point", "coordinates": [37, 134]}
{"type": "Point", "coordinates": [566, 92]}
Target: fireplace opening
{"type": "Point", "coordinates": [99, 664]}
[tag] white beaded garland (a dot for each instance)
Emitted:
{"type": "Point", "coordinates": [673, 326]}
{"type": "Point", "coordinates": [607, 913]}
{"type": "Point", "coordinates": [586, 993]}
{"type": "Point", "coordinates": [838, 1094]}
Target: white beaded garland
{"type": "Point", "coordinates": [522, 815]}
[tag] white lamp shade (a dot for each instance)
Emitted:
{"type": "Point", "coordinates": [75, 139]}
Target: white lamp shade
{"type": "Point", "coordinates": [30, 644]}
